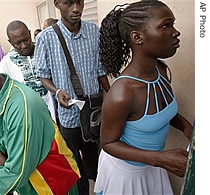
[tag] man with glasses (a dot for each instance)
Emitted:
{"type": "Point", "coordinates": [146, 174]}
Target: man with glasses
{"type": "Point", "coordinates": [19, 62]}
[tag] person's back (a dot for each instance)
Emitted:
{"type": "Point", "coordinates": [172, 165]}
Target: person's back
{"type": "Point", "coordinates": [34, 149]}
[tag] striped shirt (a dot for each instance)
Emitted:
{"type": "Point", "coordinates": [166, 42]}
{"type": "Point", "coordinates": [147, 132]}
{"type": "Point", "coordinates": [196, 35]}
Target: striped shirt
{"type": "Point", "coordinates": [51, 63]}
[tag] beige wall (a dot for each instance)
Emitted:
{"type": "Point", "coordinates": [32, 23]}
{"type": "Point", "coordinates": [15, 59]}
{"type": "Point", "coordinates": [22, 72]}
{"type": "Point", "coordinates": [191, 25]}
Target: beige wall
{"type": "Point", "coordinates": [17, 9]}
{"type": "Point", "coordinates": [182, 64]}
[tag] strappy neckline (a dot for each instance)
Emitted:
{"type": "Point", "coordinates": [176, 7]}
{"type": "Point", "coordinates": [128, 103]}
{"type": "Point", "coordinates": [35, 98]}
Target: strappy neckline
{"type": "Point", "coordinates": [141, 80]}
{"type": "Point", "coordinates": [160, 84]}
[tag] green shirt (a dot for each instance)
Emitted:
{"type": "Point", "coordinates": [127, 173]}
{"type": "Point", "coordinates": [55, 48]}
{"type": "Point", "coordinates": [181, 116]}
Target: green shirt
{"type": "Point", "coordinates": [26, 135]}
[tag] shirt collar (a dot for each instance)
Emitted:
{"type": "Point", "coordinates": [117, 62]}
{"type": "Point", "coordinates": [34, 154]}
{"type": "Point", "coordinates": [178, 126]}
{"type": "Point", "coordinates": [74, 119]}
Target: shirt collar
{"type": "Point", "coordinates": [82, 32]}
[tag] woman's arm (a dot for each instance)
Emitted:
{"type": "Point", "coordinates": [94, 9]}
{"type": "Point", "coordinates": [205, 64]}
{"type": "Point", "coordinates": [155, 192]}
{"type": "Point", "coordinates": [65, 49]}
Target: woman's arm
{"type": "Point", "coordinates": [117, 107]}
{"type": "Point", "coordinates": [181, 123]}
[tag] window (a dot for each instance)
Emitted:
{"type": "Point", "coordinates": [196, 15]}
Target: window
{"type": "Point", "coordinates": [90, 12]}
{"type": "Point", "coordinates": [45, 9]}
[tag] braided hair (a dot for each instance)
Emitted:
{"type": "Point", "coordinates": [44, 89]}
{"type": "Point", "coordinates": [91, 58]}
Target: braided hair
{"type": "Point", "coordinates": [114, 48]}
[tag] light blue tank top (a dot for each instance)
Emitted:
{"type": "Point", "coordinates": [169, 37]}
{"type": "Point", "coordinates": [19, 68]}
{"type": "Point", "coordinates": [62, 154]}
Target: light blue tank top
{"type": "Point", "coordinates": [150, 131]}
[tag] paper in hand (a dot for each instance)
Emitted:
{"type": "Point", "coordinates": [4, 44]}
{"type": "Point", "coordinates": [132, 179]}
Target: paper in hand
{"type": "Point", "coordinates": [79, 103]}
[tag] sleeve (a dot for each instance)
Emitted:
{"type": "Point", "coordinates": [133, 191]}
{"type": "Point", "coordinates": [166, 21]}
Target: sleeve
{"type": "Point", "coordinates": [4, 64]}
{"type": "Point", "coordinates": [41, 58]}
{"type": "Point", "coordinates": [101, 71]}
{"type": "Point", "coordinates": [8, 67]}
{"type": "Point", "coordinates": [13, 170]}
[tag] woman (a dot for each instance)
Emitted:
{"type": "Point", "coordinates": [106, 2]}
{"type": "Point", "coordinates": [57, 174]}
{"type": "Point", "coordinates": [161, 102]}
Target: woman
{"type": "Point", "coordinates": [140, 106]}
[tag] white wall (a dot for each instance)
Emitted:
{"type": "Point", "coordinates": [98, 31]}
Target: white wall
{"type": "Point", "coordinates": [20, 10]}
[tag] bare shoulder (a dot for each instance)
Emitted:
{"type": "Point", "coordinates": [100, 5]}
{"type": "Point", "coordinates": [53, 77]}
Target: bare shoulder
{"type": "Point", "coordinates": [120, 91]}
{"type": "Point", "coordinates": [120, 94]}
{"type": "Point", "coordinates": [127, 95]}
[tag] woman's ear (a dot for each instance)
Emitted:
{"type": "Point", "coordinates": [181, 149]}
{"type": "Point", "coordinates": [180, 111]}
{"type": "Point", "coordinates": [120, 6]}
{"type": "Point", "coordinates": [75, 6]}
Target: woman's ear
{"type": "Point", "coordinates": [136, 37]}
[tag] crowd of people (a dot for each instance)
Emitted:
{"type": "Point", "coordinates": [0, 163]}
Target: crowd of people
{"type": "Point", "coordinates": [46, 23]}
{"type": "Point", "coordinates": [40, 134]}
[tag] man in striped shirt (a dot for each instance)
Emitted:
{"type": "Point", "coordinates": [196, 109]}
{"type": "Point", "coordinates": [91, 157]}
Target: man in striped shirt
{"type": "Point", "coordinates": [82, 39]}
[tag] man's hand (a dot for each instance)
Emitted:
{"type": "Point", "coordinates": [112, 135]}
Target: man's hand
{"type": "Point", "coordinates": [63, 99]}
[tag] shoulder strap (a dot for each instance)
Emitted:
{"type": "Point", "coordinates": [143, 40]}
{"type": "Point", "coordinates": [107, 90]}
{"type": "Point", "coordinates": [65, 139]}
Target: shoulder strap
{"type": "Point", "coordinates": [65, 49]}
{"type": "Point", "coordinates": [74, 76]}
